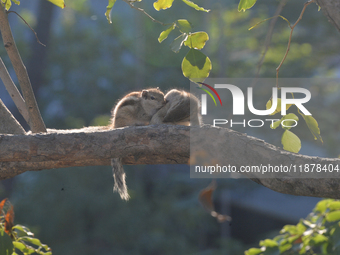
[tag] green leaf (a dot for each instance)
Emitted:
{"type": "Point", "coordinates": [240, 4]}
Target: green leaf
{"type": "Point", "coordinates": [313, 126]}
{"type": "Point", "coordinates": [20, 246]}
{"type": "Point", "coordinates": [291, 229]}
{"type": "Point", "coordinates": [196, 66]}
{"type": "Point", "coordinates": [34, 241]}
{"type": "Point", "coordinates": [195, 6]}
{"type": "Point", "coordinates": [300, 228]}
{"type": "Point", "coordinates": [245, 4]}
{"type": "Point", "coordinates": [197, 40]}
{"type": "Point", "coordinates": [59, 3]}
{"type": "Point", "coordinates": [319, 239]}
{"type": "Point", "coordinates": [269, 243]}
{"type": "Point", "coordinates": [309, 224]}
{"type": "Point", "coordinates": [109, 9]}
{"type": "Point", "coordinates": [288, 120]}
{"type": "Point", "coordinates": [162, 4]}
{"type": "Point", "coordinates": [176, 45]}
{"type": "Point", "coordinates": [31, 240]}
{"type": "Point", "coordinates": [278, 106]}
{"type": "Point", "coordinates": [22, 230]}
{"type": "Point", "coordinates": [253, 251]}
{"type": "Point", "coordinates": [335, 205]}
{"type": "Point", "coordinates": [165, 33]}
{"type": "Point", "coordinates": [16, 2]}
{"type": "Point", "coordinates": [7, 4]}
{"type": "Point", "coordinates": [333, 216]}
{"type": "Point", "coordinates": [285, 247]}
{"type": "Point", "coordinates": [6, 245]}
{"type": "Point", "coordinates": [184, 26]}
{"type": "Point", "coordinates": [275, 124]}
{"type": "Point", "coordinates": [290, 141]}
{"type": "Point", "coordinates": [323, 205]}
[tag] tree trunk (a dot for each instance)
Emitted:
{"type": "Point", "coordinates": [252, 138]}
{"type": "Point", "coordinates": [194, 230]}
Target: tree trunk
{"type": "Point", "coordinates": [331, 9]}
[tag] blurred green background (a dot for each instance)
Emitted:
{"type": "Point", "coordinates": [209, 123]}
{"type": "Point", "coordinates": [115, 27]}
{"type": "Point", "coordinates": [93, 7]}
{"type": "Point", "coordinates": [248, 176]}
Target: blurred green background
{"type": "Point", "coordinates": [88, 64]}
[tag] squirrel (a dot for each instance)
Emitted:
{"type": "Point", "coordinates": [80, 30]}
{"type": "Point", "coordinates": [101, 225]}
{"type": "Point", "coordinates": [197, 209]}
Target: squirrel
{"type": "Point", "coordinates": [181, 108]}
{"type": "Point", "coordinates": [135, 109]}
{"type": "Point", "coordinates": [142, 108]}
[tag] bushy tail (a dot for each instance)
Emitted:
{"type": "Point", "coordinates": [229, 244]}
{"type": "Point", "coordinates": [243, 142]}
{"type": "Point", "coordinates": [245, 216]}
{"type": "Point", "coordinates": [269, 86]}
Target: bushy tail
{"type": "Point", "coordinates": [119, 178]}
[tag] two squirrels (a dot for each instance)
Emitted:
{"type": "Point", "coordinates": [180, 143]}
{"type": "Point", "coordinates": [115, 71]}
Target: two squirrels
{"type": "Point", "coordinates": [149, 107]}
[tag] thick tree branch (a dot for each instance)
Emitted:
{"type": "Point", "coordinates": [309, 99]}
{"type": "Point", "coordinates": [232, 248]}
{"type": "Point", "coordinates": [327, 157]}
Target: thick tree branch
{"type": "Point", "coordinates": [36, 123]}
{"type": "Point", "coordinates": [331, 9]}
{"type": "Point", "coordinates": [163, 144]}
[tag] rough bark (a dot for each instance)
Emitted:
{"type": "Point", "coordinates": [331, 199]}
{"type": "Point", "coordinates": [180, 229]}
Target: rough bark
{"type": "Point", "coordinates": [331, 9]}
{"type": "Point", "coordinates": [64, 148]}
{"type": "Point", "coordinates": [163, 144]}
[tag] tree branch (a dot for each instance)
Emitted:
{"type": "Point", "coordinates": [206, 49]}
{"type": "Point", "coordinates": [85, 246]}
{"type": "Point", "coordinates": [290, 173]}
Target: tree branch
{"type": "Point", "coordinates": [13, 91]}
{"type": "Point", "coordinates": [36, 123]}
{"type": "Point", "coordinates": [331, 9]}
{"type": "Point", "coordinates": [8, 124]}
{"type": "Point", "coordinates": [131, 4]}
{"type": "Point", "coordinates": [269, 35]}
{"type": "Point", "coordinates": [162, 144]}
{"type": "Point", "coordinates": [290, 39]}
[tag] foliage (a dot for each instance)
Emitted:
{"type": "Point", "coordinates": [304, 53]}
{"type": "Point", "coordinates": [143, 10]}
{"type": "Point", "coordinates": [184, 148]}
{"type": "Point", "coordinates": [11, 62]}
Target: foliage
{"type": "Point", "coordinates": [319, 233]}
{"type": "Point", "coordinates": [289, 140]}
{"type": "Point", "coordinates": [15, 238]}
{"type": "Point", "coordinates": [196, 66]}
{"type": "Point", "coordinates": [8, 3]}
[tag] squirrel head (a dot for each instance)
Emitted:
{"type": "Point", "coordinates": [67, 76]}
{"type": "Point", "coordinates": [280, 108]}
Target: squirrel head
{"type": "Point", "coordinates": [152, 100]}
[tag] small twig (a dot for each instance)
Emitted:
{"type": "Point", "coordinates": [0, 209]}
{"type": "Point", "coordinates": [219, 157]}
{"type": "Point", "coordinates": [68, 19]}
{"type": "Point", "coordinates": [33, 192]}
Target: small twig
{"type": "Point", "coordinates": [269, 35]}
{"type": "Point", "coordinates": [36, 36]}
{"type": "Point", "coordinates": [290, 39]}
{"type": "Point", "coordinates": [147, 14]}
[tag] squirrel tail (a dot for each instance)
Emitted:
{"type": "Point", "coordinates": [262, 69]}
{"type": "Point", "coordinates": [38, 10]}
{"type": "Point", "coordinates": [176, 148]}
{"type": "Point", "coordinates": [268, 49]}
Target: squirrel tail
{"type": "Point", "coordinates": [119, 178]}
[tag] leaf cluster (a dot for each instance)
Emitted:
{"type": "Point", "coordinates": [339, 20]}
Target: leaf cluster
{"type": "Point", "coordinates": [196, 66]}
{"type": "Point", "coordinates": [8, 3]}
{"type": "Point", "coordinates": [14, 238]}
{"type": "Point", "coordinates": [290, 141]}
{"type": "Point", "coordinates": [319, 233]}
